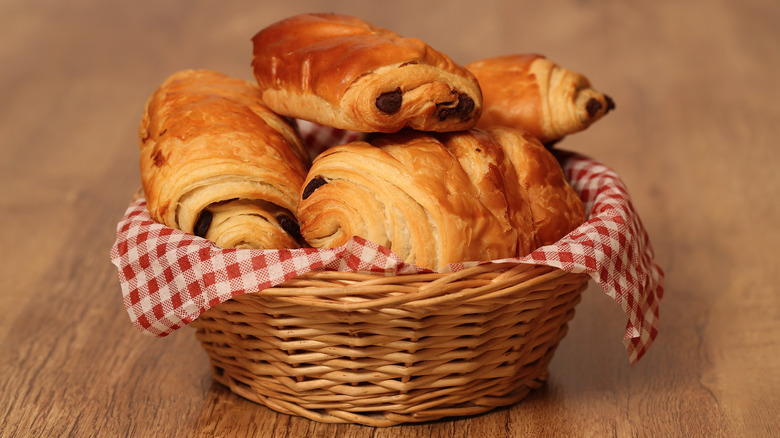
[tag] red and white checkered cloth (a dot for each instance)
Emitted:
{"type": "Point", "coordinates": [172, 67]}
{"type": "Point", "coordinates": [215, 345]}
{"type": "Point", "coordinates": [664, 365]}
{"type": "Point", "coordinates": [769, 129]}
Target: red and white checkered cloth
{"type": "Point", "coordinates": [168, 277]}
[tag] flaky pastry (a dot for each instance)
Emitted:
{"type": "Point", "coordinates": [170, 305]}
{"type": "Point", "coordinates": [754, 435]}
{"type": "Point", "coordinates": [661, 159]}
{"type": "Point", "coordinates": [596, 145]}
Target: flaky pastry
{"type": "Point", "coordinates": [217, 163]}
{"type": "Point", "coordinates": [532, 93]}
{"type": "Point", "coordinates": [440, 198]}
{"type": "Point", "coordinates": [341, 71]}
{"type": "Point", "coordinates": [410, 193]}
{"type": "Point", "coordinates": [555, 207]}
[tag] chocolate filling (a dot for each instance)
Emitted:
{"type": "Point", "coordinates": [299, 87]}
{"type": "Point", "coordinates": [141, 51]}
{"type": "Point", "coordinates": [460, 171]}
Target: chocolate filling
{"type": "Point", "coordinates": [593, 107]}
{"type": "Point", "coordinates": [203, 223]}
{"type": "Point", "coordinates": [610, 103]}
{"type": "Point", "coordinates": [463, 109]}
{"type": "Point", "coordinates": [390, 102]}
{"type": "Point", "coordinates": [313, 185]}
{"type": "Point", "coordinates": [289, 225]}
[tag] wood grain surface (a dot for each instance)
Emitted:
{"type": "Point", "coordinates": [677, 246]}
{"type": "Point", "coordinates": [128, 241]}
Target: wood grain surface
{"type": "Point", "coordinates": [693, 136]}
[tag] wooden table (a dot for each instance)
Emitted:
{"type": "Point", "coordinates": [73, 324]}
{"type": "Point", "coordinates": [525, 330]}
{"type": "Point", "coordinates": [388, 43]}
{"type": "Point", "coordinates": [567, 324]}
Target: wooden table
{"type": "Point", "coordinates": [694, 137]}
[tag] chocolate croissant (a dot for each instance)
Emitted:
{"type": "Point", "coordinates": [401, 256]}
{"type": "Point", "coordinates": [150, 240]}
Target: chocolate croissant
{"type": "Point", "coordinates": [430, 202]}
{"type": "Point", "coordinates": [436, 199]}
{"type": "Point", "coordinates": [343, 72]}
{"type": "Point", "coordinates": [217, 163]}
{"type": "Point", "coordinates": [532, 93]}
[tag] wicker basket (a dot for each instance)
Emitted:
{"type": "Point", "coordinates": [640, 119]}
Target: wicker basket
{"type": "Point", "coordinates": [384, 350]}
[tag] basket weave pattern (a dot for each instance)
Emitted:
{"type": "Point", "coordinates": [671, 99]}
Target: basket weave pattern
{"type": "Point", "coordinates": [384, 350]}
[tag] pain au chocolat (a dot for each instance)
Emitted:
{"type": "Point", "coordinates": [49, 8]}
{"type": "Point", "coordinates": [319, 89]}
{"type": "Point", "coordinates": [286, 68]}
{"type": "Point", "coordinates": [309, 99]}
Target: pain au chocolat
{"type": "Point", "coordinates": [409, 192]}
{"type": "Point", "coordinates": [532, 93]}
{"type": "Point", "coordinates": [344, 72]}
{"type": "Point", "coordinates": [217, 163]}
{"type": "Point", "coordinates": [436, 199]}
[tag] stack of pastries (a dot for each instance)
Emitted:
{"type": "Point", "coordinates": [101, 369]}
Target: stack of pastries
{"type": "Point", "coordinates": [454, 166]}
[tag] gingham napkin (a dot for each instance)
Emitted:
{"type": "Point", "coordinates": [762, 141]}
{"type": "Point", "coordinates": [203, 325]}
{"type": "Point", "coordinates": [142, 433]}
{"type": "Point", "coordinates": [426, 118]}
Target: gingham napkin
{"type": "Point", "coordinates": [168, 277]}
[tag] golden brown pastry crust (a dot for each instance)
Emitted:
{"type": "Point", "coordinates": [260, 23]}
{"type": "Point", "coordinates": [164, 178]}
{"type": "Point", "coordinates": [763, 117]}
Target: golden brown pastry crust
{"type": "Point", "coordinates": [252, 224]}
{"type": "Point", "coordinates": [343, 72]}
{"type": "Point", "coordinates": [556, 209]}
{"type": "Point", "coordinates": [208, 143]}
{"type": "Point", "coordinates": [532, 93]}
{"type": "Point", "coordinates": [436, 199]}
{"type": "Point", "coordinates": [483, 158]}
{"type": "Point", "coordinates": [410, 193]}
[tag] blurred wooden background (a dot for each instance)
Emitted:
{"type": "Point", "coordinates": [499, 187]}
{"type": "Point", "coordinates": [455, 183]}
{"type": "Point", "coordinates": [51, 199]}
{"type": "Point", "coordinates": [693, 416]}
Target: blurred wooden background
{"type": "Point", "coordinates": [693, 136]}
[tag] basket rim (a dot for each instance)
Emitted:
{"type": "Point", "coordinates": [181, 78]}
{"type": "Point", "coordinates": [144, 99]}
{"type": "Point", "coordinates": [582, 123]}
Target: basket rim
{"type": "Point", "coordinates": [354, 291]}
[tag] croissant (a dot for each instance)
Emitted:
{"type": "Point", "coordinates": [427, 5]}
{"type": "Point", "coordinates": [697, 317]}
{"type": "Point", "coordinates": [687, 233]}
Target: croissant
{"type": "Point", "coordinates": [341, 71]}
{"type": "Point", "coordinates": [431, 202]}
{"type": "Point", "coordinates": [217, 163]}
{"type": "Point", "coordinates": [532, 93]}
{"type": "Point", "coordinates": [436, 199]}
